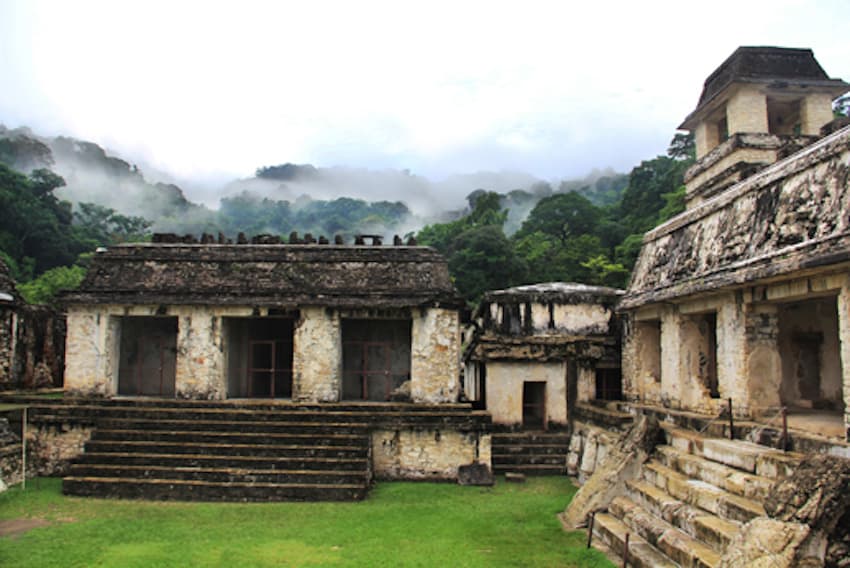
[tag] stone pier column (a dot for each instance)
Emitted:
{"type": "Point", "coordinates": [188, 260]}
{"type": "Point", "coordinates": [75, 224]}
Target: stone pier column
{"type": "Point", "coordinates": [200, 372]}
{"type": "Point", "coordinates": [435, 356]}
{"type": "Point", "coordinates": [764, 365]}
{"type": "Point", "coordinates": [91, 352]}
{"type": "Point", "coordinates": [844, 340]}
{"type": "Point", "coordinates": [317, 356]}
{"type": "Point", "coordinates": [673, 373]}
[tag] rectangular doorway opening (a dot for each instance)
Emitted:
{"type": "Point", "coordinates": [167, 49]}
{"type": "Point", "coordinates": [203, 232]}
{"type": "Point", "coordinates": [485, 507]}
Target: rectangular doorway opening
{"type": "Point", "coordinates": [609, 384]}
{"type": "Point", "coordinates": [259, 357]}
{"type": "Point", "coordinates": [375, 358]}
{"type": "Point", "coordinates": [147, 363]}
{"type": "Point", "coordinates": [534, 405]}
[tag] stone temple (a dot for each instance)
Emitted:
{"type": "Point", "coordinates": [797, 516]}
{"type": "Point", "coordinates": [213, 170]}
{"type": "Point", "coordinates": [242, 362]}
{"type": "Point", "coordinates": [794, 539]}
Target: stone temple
{"type": "Point", "coordinates": [705, 410]}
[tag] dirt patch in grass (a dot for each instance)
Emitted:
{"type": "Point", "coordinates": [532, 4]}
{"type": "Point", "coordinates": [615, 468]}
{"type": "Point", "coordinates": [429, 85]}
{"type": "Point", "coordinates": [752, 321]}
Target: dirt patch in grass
{"type": "Point", "coordinates": [13, 528]}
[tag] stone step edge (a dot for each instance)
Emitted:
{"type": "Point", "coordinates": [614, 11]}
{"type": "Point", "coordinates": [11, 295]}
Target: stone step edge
{"type": "Point", "coordinates": [713, 495]}
{"type": "Point", "coordinates": [222, 433]}
{"type": "Point", "coordinates": [612, 532]}
{"type": "Point", "coordinates": [674, 543]}
{"type": "Point", "coordinates": [233, 470]}
{"type": "Point", "coordinates": [684, 516]}
{"type": "Point", "coordinates": [223, 484]}
{"type": "Point", "coordinates": [92, 455]}
{"type": "Point", "coordinates": [363, 415]}
{"type": "Point", "coordinates": [230, 423]}
{"type": "Point", "coordinates": [168, 444]}
{"type": "Point", "coordinates": [733, 480]}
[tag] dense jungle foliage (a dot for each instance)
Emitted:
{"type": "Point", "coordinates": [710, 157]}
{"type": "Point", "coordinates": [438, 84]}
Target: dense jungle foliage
{"type": "Point", "coordinates": [578, 231]}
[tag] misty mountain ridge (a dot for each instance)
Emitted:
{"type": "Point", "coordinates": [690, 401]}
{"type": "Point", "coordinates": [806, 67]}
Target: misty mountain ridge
{"type": "Point", "coordinates": [287, 197]}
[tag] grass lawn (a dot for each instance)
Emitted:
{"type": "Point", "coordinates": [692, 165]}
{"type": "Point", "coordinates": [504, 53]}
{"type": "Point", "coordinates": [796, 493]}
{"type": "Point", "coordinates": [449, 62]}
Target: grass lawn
{"type": "Point", "coordinates": [399, 524]}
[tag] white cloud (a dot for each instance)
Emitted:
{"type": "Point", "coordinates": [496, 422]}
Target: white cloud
{"type": "Point", "coordinates": [437, 87]}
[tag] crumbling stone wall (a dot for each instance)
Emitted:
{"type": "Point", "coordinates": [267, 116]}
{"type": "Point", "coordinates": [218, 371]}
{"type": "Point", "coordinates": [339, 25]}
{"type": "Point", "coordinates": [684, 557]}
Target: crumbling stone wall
{"type": "Point", "coordinates": [32, 347]}
{"type": "Point", "coordinates": [427, 454]}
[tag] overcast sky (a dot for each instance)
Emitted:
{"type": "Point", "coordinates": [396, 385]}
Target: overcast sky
{"type": "Point", "coordinates": [550, 88]}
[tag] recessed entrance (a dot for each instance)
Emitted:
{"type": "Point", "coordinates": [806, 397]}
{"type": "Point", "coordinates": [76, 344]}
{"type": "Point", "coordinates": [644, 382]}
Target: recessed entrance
{"type": "Point", "coordinates": [259, 357]}
{"type": "Point", "coordinates": [148, 360]}
{"type": "Point", "coordinates": [609, 384]}
{"type": "Point", "coordinates": [534, 405]}
{"type": "Point", "coordinates": [809, 348]}
{"type": "Point", "coordinates": [375, 358]}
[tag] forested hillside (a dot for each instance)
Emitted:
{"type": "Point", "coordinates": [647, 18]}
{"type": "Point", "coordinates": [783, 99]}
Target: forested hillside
{"type": "Point", "coordinates": [566, 236]}
{"type": "Point", "coordinates": [61, 198]}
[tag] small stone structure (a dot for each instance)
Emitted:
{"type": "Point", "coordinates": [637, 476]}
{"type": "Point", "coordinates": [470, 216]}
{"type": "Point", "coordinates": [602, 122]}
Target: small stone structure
{"type": "Point", "coordinates": [32, 340]}
{"type": "Point", "coordinates": [538, 350]}
{"type": "Point", "coordinates": [311, 327]}
{"type": "Point", "coordinates": [310, 323]}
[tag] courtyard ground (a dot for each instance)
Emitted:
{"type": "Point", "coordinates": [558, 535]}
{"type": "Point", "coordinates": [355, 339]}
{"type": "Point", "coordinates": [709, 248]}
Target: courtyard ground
{"type": "Point", "coordinates": [399, 524]}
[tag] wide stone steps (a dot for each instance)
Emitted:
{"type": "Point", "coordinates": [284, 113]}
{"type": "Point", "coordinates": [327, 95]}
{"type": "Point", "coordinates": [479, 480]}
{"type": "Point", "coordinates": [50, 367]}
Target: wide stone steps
{"type": "Point", "coordinates": [533, 453]}
{"type": "Point", "coordinates": [257, 449]}
{"type": "Point", "coordinates": [676, 544]}
{"type": "Point", "coordinates": [695, 522]}
{"type": "Point", "coordinates": [206, 460]}
{"type": "Point", "coordinates": [701, 494]}
{"type": "Point", "coordinates": [220, 453]}
{"type": "Point", "coordinates": [230, 437]}
{"type": "Point", "coordinates": [188, 490]}
{"type": "Point", "coordinates": [219, 474]}
{"type": "Point", "coordinates": [228, 426]}
{"type": "Point", "coordinates": [613, 532]}
{"type": "Point", "coordinates": [691, 499]}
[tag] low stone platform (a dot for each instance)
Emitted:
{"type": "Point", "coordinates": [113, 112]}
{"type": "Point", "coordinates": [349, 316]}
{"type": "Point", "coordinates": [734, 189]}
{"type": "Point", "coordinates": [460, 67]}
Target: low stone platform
{"type": "Point", "coordinates": [236, 450]}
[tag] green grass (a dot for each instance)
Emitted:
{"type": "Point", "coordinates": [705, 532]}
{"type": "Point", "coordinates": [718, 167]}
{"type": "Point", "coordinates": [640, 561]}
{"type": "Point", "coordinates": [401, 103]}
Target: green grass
{"type": "Point", "coordinates": [399, 524]}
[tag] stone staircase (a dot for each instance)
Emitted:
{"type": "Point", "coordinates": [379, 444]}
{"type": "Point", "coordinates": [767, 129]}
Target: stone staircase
{"type": "Point", "coordinates": [219, 452]}
{"type": "Point", "coordinates": [691, 499]}
{"type": "Point", "coordinates": [530, 453]}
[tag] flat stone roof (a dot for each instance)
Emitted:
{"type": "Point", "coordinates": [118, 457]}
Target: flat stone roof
{"type": "Point", "coordinates": [558, 292]}
{"type": "Point", "coordinates": [274, 275]}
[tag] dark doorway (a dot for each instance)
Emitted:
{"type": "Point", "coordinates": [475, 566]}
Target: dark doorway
{"type": "Point", "coordinates": [807, 355]}
{"type": "Point", "coordinates": [259, 357]}
{"type": "Point", "coordinates": [609, 384]}
{"type": "Point", "coordinates": [148, 360]}
{"type": "Point", "coordinates": [375, 358]}
{"type": "Point", "coordinates": [534, 405]}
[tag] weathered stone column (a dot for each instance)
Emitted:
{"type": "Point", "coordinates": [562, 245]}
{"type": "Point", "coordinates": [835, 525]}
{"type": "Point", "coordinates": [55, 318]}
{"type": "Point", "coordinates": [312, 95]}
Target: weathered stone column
{"type": "Point", "coordinates": [317, 356]}
{"type": "Point", "coordinates": [200, 372]}
{"type": "Point", "coordinates": [759, 388]}
{"type": "Point", "coordinates": [731, 348]}
{"type": "Point", "coordinates": [91, 352]}
{"type": "Point", "coordinates": [435, 356]}
{"type": "Point", "coordinates": [672, 372]}
{"type": "Point", "coordinates": [844, 339]}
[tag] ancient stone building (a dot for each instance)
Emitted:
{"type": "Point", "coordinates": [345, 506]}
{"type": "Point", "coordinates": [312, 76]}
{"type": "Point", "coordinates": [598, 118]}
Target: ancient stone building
{"type": "Point", "coordinates": [310, 323]}
{"type": "Point", "coordinates": [537, 350]}
{"type": "Point", "coordinates": [745, 295]}
{"type": "Point", "coordinates": [262, 371]}
{"type": "Point", "coordinates": [740, 303]}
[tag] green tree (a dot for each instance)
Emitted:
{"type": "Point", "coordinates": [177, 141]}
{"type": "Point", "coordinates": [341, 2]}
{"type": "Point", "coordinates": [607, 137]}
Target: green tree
{"type": "Point", "coordinates": [44, 289]}
{"type": "Point", "coordinates": [563, 216]}
{"type": "Point", "coordinates": [482, 259]}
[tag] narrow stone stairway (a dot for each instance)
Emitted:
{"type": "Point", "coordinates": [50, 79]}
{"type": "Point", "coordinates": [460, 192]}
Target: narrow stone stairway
{"type": "Point", "coordinates": [221, 453]}
{"type": "Point", "coordinates": [530, 453]}
{"type": "Point", "coordinates": [690, 500]}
